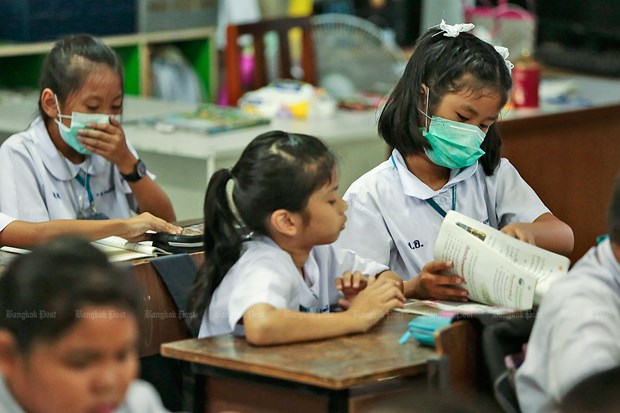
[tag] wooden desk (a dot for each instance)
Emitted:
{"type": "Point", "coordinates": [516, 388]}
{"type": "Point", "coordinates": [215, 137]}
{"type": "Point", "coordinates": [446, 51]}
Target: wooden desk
{"type": "Point", "coordinates": [339, 374]}
{"type": "Point", "coordinates": [161, 322]}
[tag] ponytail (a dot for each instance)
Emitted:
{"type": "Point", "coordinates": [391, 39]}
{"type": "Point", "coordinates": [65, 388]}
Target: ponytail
{"type": "Point", "coordinates": [277, 170]}
{"type": "Point", "coordinates": [222, 243]}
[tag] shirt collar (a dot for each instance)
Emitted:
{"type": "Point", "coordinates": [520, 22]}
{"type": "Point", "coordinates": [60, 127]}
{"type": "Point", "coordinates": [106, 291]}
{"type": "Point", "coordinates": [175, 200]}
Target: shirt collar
{"type": "Point", "coordinates": [55, 163]}
{"type": "Point", "coordinates": [607, 258]}
{"type": "Point", "coordinates": [413, 186]}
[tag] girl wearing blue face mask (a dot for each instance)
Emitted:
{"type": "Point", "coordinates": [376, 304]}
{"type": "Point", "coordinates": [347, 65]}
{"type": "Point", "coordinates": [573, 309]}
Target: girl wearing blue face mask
{"type": "Point", "coordinates": [73, 161]}
{"type": "Point", "coordinates": [441, 121]}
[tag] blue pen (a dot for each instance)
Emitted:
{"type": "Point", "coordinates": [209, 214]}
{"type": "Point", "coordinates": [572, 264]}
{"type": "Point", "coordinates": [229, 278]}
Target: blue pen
{"type": "Point", "coordinates": [404, 338]}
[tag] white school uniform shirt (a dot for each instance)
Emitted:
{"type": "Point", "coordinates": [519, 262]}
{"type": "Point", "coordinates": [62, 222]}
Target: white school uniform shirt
{"type": "Point", "coordinates": [390, 221]}
{"type": "Point", "coordinates": [266, 274]}
{"type": "Point", "coordinates": [576, 332]}
{"type": "Point", "coordinates": [38, 184]}
{"type": "Point", "coordinates": [141, 397]}
{"type": "Point", "coordinates": [4, 221]}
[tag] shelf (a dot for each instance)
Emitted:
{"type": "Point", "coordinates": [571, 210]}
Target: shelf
{"type": "Point", "coordinates": [21, 62]}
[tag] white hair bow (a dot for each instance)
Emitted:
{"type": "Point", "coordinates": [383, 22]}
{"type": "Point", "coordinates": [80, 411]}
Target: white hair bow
{"type": "Point", "coordinates": [503, 52]}
{"type": "Point", "coordinates": [454, 30]}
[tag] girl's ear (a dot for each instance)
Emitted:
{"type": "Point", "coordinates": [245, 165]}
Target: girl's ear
{"type": "Point", "coordinates": [8, 353]}
{"type": "Point", "coordinates": [285, 222]}
{"type": "Point", "coordinates": [48, 102]}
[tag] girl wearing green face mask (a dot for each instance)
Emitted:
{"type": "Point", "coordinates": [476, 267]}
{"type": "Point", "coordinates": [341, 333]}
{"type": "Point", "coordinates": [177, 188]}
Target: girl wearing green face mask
{"type": "Point", "coordinates": [73, 161]}
{"type": "Point", "coordinates": [441, 121]}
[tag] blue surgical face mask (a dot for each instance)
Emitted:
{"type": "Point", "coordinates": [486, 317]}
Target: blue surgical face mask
{"type": "Point", "coordinates": [78, 122]}
{"type": "Point", "coordinates": [454, 144]}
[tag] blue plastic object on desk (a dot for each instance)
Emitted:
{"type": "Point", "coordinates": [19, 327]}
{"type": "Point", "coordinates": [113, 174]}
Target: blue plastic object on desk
{"type": "Point", "coordinates": [423, 328]}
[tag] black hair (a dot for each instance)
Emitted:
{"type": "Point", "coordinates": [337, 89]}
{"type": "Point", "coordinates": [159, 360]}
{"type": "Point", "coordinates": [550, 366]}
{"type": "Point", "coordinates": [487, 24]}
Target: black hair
{"type": "Point", "coordinates": [597, 393]}
{"type": "Point", "coordinates": [445, 65]}
{"type": "Point", "coordinates": [64, 73]}
{"type": "Point", "coordinates": [613, 214]}
{"type": "Point", "coordinates": [43, 293]}
{"type": "Point", "coordinates": [277, 170]}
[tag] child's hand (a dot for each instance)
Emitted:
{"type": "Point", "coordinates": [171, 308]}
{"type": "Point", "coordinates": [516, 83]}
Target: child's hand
{"type": "Point", "coordinates": [136, 227]}
{"type": "Point", "coordinates": [350, 284]}
{"type": "Point", "coordinates": [108, 141]}
{"type": "Point", "coordinates": [521, 231]}
{"type": "Point", "coordinates": [371, 304]}
{"type": "Point", "coordinates": [431, 284]}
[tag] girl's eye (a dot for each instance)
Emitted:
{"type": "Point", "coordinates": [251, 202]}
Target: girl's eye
{"type": "Point", "coordinates": [78, 363]}
{"type": "Point", "coordinates": [92, 108]}
{"type": "Point", "coordinates": [117, 108]}
{"type": "Point", "coordinates": [332, 202]}
{"type": "Point", "coordinates": [462, 118]}
{"type": "Point", "coordinates": [484, 126]}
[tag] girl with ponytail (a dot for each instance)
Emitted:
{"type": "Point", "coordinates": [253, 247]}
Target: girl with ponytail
{"type": "Point", "coordinates": [270, 270]}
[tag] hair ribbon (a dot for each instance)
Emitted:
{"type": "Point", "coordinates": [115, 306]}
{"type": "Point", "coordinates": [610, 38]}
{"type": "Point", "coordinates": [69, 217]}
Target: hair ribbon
{"type": "Point", "coordinates": [503, 52]}
{"type": "Point", "coordinates": [450, 30]}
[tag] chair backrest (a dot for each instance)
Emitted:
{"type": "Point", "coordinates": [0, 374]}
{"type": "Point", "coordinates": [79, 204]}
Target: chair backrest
{"type": "Point", "coordinates": [458, 344]}
{"type": "Point", "coordinates": [282, 26]}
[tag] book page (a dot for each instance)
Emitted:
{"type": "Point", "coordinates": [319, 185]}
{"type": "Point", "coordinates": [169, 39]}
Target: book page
{"type": "Point", "coordinates": [547, 266]}
{"type": "Point", "coordinates": [437, 307]}
{"type": "Point", "coordinates": [490, 277]}
{"type": "Point", "coordinates": [119, 249]}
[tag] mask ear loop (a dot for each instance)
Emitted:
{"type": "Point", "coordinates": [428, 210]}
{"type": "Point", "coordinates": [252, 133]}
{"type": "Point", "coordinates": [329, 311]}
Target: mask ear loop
{"type": "Point", "coordinates": [425, 113]}
{"type": "Point", "coordinates": [428, 95]}
{"type": "Point", "coordinates": [60, 115]}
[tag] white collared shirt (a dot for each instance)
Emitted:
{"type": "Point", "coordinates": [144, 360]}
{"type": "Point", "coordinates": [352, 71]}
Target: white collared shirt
{"type": "Point", "coordinates": [576, 333]}
{"type": "Point", "coordinates": [4, 221]}
{"type": "Point", "coordinates": [390, 221]}
{"type": "Point", "coordinates": [38, 184]}
{"type": "Point", "coordinates": [266, 274]}
{"type": "Point", "coordinates": [141, 397]}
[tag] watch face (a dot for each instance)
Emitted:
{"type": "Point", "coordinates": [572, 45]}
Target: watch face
{"type": "Point", "coordinates": [141, 169]}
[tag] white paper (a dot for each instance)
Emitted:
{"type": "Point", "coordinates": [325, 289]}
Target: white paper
{"type": "Point", "coordinates": [435, 307]}
{"type": "Point", "coordinates": [119, 249]}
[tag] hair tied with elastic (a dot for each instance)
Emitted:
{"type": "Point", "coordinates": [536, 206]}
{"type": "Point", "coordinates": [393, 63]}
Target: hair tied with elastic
{"type": "Point", "coordinates": [453, 30]}
{"type": "Point", "coordinates": [504, 53]}
{"type": "Point", "coordinates": [241, 226]}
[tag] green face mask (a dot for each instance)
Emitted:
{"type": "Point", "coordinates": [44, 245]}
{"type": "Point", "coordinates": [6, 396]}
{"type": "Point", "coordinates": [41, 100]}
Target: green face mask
{"type": "Point", "coordinates": [454, 144]}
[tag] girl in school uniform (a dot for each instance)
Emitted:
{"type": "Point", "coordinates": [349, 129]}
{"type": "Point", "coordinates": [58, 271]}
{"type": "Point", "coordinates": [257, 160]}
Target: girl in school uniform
{"type": "Point", "coordinates": [68, 334]}
{"type": "Point", "coordinates": [73, 161]}
{"type": "Point", "coordinates": [271, 270]}
{"type": "Point", "coordinates": [23, 234]}
{"type": "Point", "coordinates": [441, 120]}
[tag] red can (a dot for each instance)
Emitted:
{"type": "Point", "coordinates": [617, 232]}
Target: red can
{"type": "Point", "coordinates": [525, 83]}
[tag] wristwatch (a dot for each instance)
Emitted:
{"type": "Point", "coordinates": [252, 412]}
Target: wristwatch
{"type": "Point", "coordinates": [139, 171]}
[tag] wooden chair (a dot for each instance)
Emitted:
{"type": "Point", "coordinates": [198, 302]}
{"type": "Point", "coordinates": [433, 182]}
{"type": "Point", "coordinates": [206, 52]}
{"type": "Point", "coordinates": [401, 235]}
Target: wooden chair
{"type": "Point", "coordinates": [282, 27]}
{"type": "Point", "coordinates": [458, 361]}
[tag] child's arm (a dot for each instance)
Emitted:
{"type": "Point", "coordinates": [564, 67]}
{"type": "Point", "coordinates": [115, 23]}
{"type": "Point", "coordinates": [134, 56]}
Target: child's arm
{"type": "Point", "coordinates": [546, 231]}
{"type": "Point", "coordinates": [265, 324]}
{"type": "Point", "coordinates": [108, 140]}
{"type": "Point", "coordinates": [26, 234]}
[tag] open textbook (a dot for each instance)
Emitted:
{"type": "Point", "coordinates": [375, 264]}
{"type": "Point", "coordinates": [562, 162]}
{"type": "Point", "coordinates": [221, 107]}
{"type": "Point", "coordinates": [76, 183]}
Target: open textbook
{"type": "Point", "coordinates": [119, 249]}
{"type": "Point", "coordinates": [437, 307]}
{"type": "Point", "coordinates": [497, 269]}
